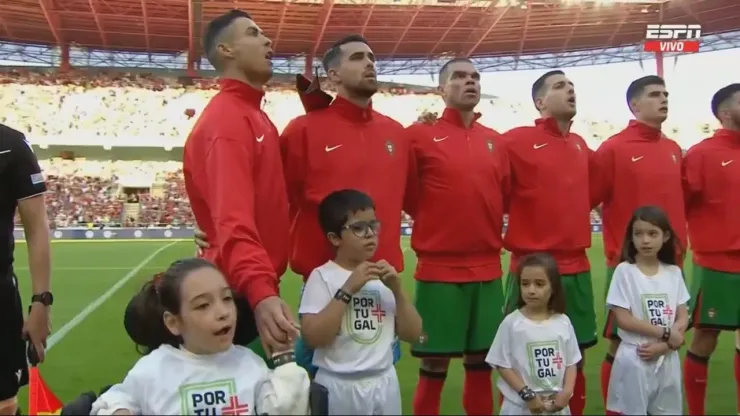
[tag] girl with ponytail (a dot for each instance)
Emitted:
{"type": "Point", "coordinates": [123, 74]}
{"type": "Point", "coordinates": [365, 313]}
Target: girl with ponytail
{"type": "Point", "coordinates": [183, 322]}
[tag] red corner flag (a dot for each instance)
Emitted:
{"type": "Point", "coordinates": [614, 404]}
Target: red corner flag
{"type": "Point", "coordinates": [41, 400]}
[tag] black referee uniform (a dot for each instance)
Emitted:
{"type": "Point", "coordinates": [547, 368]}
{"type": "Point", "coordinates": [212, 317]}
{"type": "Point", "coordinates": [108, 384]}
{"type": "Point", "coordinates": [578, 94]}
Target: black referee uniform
{"type": "Point", "coordinates": [20, 178]}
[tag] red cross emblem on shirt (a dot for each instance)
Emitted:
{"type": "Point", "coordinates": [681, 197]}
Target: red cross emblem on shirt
{"type": "Point", "coordinates": [667, 311]}
{"type": "Point", "coordinates": [378, 313]}
{"type": "Point", "coordinates": [558, 360]}
{"type": "Point", "coordinates": [235, 408]}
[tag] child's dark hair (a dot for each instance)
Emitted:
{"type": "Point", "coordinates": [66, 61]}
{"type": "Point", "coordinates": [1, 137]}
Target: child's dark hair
{"type": "Point", "coordinates": [550, 266]}
{"type": "Point", "coordinates": [334, 210]}
{"type": "Point", "coordinates": [655, 216]}
{"type": "Point", "coordinates": [143, 319]}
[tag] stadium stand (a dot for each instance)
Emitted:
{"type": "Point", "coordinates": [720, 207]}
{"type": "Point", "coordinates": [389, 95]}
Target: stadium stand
{"type": "Point", "coordinates": [143, 107]}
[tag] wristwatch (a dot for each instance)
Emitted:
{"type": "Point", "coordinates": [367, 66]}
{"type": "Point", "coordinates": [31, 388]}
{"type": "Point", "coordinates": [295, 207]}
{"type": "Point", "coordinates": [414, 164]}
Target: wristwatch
{"type": "Point", "coordinates": [343, 296]}
{"type": "Point", "coordinates": [527, 394]}
{"type": "Point", "coordinates": [44, 298]}
{"type": "Point", "coordinates": [666, 334]}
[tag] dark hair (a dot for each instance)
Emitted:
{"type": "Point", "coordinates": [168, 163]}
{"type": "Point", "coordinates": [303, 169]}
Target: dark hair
{"type": "Point", "coordinates": [443, 71]}
{"type": "Point", "coordinates": [213, 33]}
{"type": "Point", "coordinates": [638, 86]}
{"type": "Point", "coordinates": [331, 57]}
{"type": "Point", "coordinates": [655, 216]}
{"type": "Point", "coordinates": [539, 84]}
{"type": "Point", "coordinates": [548, 263]}
{"type": "Point", "coordinates": [143, 319]}
{"type": "Point", "coordinates": [334, 210]}
{"type": "Point", "coordinates": [724, 94]}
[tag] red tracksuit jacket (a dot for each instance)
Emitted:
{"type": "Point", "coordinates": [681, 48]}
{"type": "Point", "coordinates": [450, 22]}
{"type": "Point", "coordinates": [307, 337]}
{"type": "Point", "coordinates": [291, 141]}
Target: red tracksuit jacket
{"type": "Point", "coordinates": [457, 174]}
{"type": "Point", "coordinates": [234, 179]}
{"type": "Point", "coordinates": [638, 166]}
{"type": "Point", "coordinates": [711, 179]}
{"type": "Point", "coordinates": [343, 147]}
{"type": "Point", "coordinates": [549, 204]}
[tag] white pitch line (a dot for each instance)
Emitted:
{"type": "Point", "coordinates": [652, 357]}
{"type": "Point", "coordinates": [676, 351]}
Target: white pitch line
{"type": "Point", "coordinates": [56, 337]}
{"type": "Point", "coordinates": [92, 268]}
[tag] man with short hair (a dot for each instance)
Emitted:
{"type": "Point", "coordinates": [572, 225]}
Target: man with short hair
{"type": "Point", "coordinates": [711, 180]}
{"type": "Point", "coordinates": [549, 206]}
{"type": "Point", "coordinates": [233, 176]}
{"type": "Point", "coordinates": [456, 178]}
{"type": "Point", "coordinates": [22, 186]}
{"type": "Point", "coordinates": [638, 166]}
{"type": "Point", "coordinates": [344, 145]}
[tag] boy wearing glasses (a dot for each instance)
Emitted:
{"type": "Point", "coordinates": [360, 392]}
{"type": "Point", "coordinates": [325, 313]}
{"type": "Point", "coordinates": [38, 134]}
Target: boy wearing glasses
{"type": "Point", "coordinates": [352, 309]}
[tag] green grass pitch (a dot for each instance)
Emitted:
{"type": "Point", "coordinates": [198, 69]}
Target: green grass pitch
{"type": "Point", "coordinates": [97, 351]}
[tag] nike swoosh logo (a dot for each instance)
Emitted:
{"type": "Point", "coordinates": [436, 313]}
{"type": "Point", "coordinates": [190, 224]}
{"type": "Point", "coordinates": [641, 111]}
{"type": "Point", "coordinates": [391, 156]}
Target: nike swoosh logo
{"type": "Point", "coordinates": [329, 149]}
{"type": "Point", "coordinates": [727, 162]}
{"type": "Point", "coordinates": [2, 152]}
{"type": "Point", "coordinates": [259, 139]}
{"type": "Point", "coordinates": [437, 140]}
{"type": "Point", "coordinates": [540, 146]}
{"type": "Point", "coordinates": [635, 159]}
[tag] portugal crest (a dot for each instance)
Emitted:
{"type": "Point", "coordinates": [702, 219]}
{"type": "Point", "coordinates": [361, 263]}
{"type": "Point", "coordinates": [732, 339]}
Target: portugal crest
{"type": "Point", "coordinates": [389, 147]}
{"type": "Point", "coordinates": [489, 143]}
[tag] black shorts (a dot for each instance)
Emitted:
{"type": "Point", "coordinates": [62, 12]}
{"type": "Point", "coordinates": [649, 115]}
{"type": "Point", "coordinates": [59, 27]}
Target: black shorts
{"type": "Point", "coordinates": [13, 363]}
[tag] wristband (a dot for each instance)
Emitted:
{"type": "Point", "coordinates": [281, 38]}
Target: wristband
{"type": "Point", "coordinates": [527, 394]}
{"type": "Point", "coordinates": [343, 296]}
{"type": "Point", "coordinates": [283, 358]}
{"type": "Point", "coordinates": [666, 334]}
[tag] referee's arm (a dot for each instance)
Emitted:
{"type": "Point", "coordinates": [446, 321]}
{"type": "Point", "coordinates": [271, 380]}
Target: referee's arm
{"type": "Point", "coordinates": [28, 188]}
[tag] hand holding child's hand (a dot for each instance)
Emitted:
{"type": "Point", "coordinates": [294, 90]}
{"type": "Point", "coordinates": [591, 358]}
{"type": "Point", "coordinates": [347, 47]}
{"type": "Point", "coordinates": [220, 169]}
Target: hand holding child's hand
{"type": "Point", "coordinates": [363, 273]}
{"type": "Point", "coordinates": [389, 275]}
{"type": "Point", "coordinates": [650, 352]}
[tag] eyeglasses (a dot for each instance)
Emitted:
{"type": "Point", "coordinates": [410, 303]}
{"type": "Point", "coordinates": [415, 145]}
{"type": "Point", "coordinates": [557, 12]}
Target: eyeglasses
{"type": "Point", "coordinates": [361, 228]}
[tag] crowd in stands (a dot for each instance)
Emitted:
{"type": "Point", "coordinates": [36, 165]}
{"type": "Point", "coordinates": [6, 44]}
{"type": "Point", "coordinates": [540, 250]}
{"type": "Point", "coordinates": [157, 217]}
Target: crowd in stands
{"type": "Point", "coordinates": [142, 108]}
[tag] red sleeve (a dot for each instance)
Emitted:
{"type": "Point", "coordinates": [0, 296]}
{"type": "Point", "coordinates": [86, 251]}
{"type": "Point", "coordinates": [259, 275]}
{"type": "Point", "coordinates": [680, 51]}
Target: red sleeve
{"type": "Point", "coordinates": [228, 170]}
{"type": "Point", "coordinates": [413, 181]}
{"type": "Point", "coordinates": [507, 171]}
{"type": "Point", "coordinates": [601, 174]}
{"type": "Point", "coordinates": [691, 177]}
{"type": "Point", "coordinates": [294, 158]}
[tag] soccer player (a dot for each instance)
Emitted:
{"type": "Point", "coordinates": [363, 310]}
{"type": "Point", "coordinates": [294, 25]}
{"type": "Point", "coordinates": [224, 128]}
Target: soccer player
{"type": "Point", "coordinates": [711, 179]}
{"type": "Point", "coordinates": [22, 186]}
{"type": "Point", "coordinates": [456, 172]}
{"type": "Point", "coordinates": [637, 167]}
{"type": "Point", "coordinates": [234, 179]}
{"type": "Point", "coordinates": [347, 145]}
{"type": "Point", "coordinates": [549, 206]}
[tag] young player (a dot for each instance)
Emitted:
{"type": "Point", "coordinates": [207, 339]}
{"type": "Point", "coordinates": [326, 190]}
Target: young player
{"type": "Point", "coordinates": [352, 309]}
{"type": "Point", "coordinates": [712, 192]}
{"type": "Point", "coordinates": [549, 206]}
{"type": "Point", "coordinates": [185, 319]}
{"type": "Point", "coordinates": [633, 164]}
{"type": "Point", "coordinates": [536, 350]}
{"type": "Point", "coordinates": [648, 298]}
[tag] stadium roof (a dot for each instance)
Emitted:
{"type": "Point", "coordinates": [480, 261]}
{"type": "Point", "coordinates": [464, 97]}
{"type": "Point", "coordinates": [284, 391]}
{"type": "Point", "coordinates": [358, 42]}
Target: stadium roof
{"type": "Point", "coordinates": [501, 34]}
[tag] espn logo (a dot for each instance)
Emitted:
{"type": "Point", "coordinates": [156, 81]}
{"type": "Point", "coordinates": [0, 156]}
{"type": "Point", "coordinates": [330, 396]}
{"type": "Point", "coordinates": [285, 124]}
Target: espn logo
{"type": "Point", "coordinates": [672, 38]}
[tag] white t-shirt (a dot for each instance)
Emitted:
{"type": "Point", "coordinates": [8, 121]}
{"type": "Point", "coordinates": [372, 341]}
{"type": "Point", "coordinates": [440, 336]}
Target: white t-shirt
{"type": "Point", "coordinates": [365, 340]}
{"type": "Point", "coordinates": [650, 298]}
{"type": "Point", "coordinates": [171, 381]}
{"type": "Point", "coordinates": [539, 352]}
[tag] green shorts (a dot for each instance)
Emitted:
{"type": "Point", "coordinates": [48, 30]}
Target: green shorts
{"type": "Point", "coordinates": [610, 324]}
{"type": "Point", "coordinates": [459, 318]}
{"type": "Point", "coordinates": [714, 299]}
{"type": "Point", "coordinates": [579, 304]}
